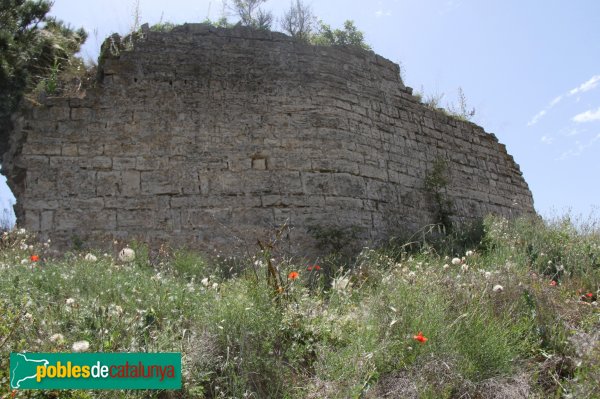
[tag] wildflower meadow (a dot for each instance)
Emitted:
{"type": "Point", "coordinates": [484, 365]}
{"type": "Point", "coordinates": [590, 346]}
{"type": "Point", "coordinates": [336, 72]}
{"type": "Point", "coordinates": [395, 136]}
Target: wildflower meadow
{"type": "Point", "coordinates": [509, 312]}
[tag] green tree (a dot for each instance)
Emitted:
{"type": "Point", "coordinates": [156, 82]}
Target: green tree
{"type": "Point", "coordinates": [349, 36]}
{"type": "Point", "coordinates": [251, 14]}
{"type": "Point", "coordinates": [33, 48]}
{"type": "Point", "coordinates": [298, 21]}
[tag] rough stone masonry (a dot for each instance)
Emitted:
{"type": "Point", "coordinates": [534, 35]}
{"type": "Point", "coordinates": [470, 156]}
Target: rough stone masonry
{"type": "Point", "coordinates": [213, 137]}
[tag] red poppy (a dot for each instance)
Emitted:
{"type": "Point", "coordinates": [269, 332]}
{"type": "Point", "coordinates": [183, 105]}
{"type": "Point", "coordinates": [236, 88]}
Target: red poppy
{"type": "Point", "coordinates": [293, 275]}
{"type": "Point", "coordinates": [553, 283]}
{"type": "Point", "coordinates": [420, 337]}
{"type": "Point", "coordinates": [589, 295]}
{"type": "Point", "coordinates": [313, 267]}
{"type": "Point", "coordinates": [34, 258]}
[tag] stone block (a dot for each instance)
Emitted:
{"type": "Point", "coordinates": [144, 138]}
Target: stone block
{"type": "Point", "coordinates": [58, 113]}
{"type": "Point", "coordinates": [123, 163]}
{"type": "Point", "coordinates": [130, 183]}
{"type": "Point", "coordinates": [130, 203]}
{"type": "Point", "coordinates": [84, 114]}
{"type": "Point", "coordinates": [41, 204]}
{"type": "Point", "coordinates": [76, 182]}
{"type": "Point", "coordinates": [145, 163]}
{"type": "Point", "coordinates": [101, 163]}
{"type": "Point", "coordinates": [94, 204]}
{"type": "Point", "coordinates": [32, 162]}
{"type": "Point", "coordinates": [69, 150]}
{"type": "Point", "coordinates": [345, 203]}
{"type": "Point", "coordinates": [87, 149]}
{"type": "Point", "coordinates": [302, 163]}
{"type": "Point", "coordinates": [318, 183]}
{"type": "Point", "coordinates": [108, 183]}
{"type": "Point", "coordinates": [205, 218]}
{"type": "Point", "coordinates": [373, 171]}
{"type": "Point", "coordinates": [347, 185]}
{"type": "Point", "coordinates": [252, 217]}
{"type": "Point", "coordinates": [32, 220]}
{"type": "Point", "coordinates": [82, 220]}
{"type": "Point", "coordinates": [42, 149]}
{"type": "Point", "coordinates": [135, 218]}
{"type": "Point", "coordinates": [46, 221]}
{"type": "Point", "coordinates": [157, 182]}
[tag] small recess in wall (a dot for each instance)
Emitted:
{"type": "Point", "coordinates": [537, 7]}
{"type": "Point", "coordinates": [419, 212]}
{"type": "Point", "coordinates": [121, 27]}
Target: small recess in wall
{"type": "Point", "coordinates": [259, 162]}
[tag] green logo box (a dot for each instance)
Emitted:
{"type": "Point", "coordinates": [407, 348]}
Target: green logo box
{"type": "Point", "coordinates": [95, 370]}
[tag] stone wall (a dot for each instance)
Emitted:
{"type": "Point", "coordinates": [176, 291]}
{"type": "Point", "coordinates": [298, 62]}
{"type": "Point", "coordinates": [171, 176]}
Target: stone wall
{"type": "Point", "coordinates": [213, 137]}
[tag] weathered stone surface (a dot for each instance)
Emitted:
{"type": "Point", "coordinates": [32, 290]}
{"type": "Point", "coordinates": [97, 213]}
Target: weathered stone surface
{"type": "Point", "coordinates": [212, 137]}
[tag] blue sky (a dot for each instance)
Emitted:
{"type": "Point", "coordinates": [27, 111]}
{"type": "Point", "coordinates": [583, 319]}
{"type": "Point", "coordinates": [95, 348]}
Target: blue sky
{"type": "Point", "coordinates": [530, 68]}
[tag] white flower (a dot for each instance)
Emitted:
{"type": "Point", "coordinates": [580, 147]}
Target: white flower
{"type": "Point", "coordinates": [456, 261]}
{"type": "Point", "coordinates": [446, 266]}
{"type": "Point", "coordinates": [215, 286]}
{"type": "Point", "coordinates": [115, 310]}
{"type": "Point", "coordinates": [204, 281]}
{"type": "Point", "coordinates": [340, 283]}
{"type": "Point", "coordinates": [23, 246]}
{"type": "Point", "coordinates": [91, 257]}
{"type": "Point", "coordinates": [70, 301]}
{"type": "Point", "coordinates": [21, 231]}
{"type": "Point", "coordinates": [80, 346]}
{"type": "Point", "coordinates": [465, 268]}
{"type": "Point", "coordinates": [488, 275]}
{"type": "Point", "coordinates": [57, 338]}
{"type": "Point", "coordinates": [469, 253]}
{"type": "Point", "coordinates": [25, 261]}
{"type": "Point", "coordinates": [498, 288]}
{"type": "Point", "coordinates": [127, 255]}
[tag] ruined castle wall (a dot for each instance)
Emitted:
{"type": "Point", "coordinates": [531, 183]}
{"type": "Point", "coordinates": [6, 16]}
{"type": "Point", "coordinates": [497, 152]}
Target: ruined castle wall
{"type": "Point", "coordinates": [212, 137]}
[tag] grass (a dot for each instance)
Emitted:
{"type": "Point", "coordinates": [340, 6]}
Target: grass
{"type": "Point", "coordinates": [344, 330]}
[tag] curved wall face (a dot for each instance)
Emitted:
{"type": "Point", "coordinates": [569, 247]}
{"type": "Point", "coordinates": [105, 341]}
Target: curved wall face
{"type": "Point", "coordinates": [213, 137]}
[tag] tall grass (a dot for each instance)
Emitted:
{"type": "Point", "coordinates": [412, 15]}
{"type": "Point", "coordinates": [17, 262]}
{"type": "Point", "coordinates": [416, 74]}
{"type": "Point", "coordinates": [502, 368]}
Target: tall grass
{"type": "Point", "coordinates": [346, 330]}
